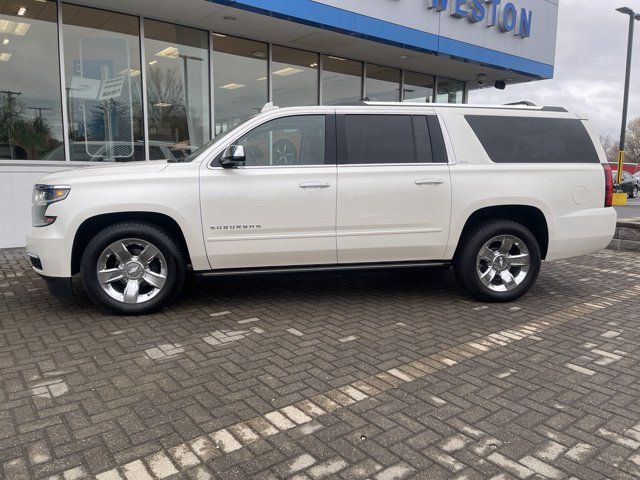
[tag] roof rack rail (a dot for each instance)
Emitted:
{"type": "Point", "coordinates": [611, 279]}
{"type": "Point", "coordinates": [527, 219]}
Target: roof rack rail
{"type": "Point", "coordinates": [522, 105]}
{"type": "Point", "coordinates": [351, 103]}
{"type": "Point", "coordinates": [527, 103]}
{"type": "Point", "coordinates": [523, 102]}
{"type": "Point", "coordinates": [554, 109]}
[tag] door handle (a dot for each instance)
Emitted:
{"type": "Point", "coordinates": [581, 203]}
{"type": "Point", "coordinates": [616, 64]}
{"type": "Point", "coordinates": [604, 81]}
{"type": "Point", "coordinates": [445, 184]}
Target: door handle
{"type": "Point", "coordinates": [429, 181]}
{"type": "Point", "coordinates": [314, 185]}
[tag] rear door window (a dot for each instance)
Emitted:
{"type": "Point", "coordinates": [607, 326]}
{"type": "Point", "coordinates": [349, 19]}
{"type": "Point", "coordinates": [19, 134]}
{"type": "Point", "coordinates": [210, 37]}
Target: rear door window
{"type": "Point", "coordinates": [423, 143]}
{"type": "Point", "coordinates": [372, 139]}
{"type": "Point", "coordinates": [438, 149]}
{"type": "Point", "coordinates": [509, 139]}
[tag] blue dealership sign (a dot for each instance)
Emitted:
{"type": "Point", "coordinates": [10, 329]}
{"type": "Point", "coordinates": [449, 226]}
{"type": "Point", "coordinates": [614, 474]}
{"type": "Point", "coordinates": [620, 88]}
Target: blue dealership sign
{"type": "Point", "coordinates": [504, 16]}
{"type": "Point", "coordinates": [495, 33]}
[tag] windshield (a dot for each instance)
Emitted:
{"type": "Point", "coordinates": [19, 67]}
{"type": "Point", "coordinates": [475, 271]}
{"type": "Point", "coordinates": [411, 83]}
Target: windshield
{"type": "Point", "coordinates": [196, 153]}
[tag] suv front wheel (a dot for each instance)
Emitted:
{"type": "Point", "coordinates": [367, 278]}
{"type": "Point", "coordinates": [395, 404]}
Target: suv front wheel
{"type": "Point", "coordinates": [498, 261]}
{"type": "Point", "coordinates": [132, 268]}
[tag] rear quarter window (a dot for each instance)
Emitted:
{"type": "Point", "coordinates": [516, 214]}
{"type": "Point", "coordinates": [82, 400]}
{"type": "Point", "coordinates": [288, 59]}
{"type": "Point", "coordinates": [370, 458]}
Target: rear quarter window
{"type": "Point", "coordinates": [533, 139]}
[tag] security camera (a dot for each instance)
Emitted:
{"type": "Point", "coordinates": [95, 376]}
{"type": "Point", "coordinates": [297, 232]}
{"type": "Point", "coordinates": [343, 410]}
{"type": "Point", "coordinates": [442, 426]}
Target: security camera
{"type": "Point", "coordinates": [482, 80]}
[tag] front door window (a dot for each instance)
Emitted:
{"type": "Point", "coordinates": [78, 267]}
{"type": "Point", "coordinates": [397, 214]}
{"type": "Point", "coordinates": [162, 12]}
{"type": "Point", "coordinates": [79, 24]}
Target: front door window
{"type": "Point", "coordinates": [288, 141]}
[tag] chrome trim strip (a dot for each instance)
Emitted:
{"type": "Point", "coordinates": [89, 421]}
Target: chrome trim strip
{"type": "Point", "coordinates": [236, 238]}
{"type": "Point", "coordinates": [365, 233]}
{"type": "Point", "coordinates": [257, 167]}
{"type": "Point", "coordinates": [322, 268]}
{"type": "Point", "coordinates": [422, 164]}
{"type": "Point", "coordinates": [52, 187]}
{"type": "Point", "coordinates": [356, 165]}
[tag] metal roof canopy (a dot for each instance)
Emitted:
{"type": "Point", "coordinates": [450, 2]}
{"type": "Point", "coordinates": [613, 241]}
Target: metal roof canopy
{"type": "Point", "coordinates": [228, 20]}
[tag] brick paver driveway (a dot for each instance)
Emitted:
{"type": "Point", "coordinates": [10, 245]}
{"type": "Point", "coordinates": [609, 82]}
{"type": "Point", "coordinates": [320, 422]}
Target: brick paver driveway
{"type": "Point", "coordinates": [369, 375]}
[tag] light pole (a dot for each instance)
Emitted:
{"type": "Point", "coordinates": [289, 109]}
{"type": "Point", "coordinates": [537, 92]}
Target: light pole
{"type": "Point", "coordinates": [621, 198]}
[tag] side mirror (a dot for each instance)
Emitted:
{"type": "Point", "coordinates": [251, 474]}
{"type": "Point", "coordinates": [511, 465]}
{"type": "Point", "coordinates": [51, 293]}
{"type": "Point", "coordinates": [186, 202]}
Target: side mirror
{"type": "Point", "coordinates": [233, 157]}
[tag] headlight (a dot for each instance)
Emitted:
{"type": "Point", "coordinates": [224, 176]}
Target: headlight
{"type": "Point", "coordinates": [43, 196]}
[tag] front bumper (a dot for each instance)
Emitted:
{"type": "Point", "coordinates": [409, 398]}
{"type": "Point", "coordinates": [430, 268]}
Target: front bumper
{"type": "Point", "coordinates": [60, 287]}
{"type": "Point", "coordinates": [52, 251]}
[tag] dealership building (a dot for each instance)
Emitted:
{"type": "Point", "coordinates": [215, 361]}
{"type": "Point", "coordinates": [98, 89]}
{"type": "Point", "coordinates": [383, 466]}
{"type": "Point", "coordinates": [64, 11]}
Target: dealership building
{"type": "Point", "coordinates": [88, 82]}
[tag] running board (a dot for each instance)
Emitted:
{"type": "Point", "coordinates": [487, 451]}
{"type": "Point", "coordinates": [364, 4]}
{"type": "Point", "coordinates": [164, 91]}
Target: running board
{"type": "Point", "coordinates": [320, 268]}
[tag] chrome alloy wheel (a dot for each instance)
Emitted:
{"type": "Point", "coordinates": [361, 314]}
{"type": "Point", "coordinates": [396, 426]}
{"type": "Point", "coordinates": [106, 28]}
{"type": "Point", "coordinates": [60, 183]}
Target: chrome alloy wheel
{"type": "Point", "coordinates": [132, 271]}
{"type": "Point", "coordinates": [503, 263]}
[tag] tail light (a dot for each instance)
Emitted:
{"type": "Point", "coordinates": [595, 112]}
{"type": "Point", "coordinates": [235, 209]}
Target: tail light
{"type": "Point", "coordinates": [608, 184]}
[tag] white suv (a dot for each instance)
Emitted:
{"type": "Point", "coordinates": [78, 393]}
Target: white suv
{"type": "Point", "coordinates": [491, 191]}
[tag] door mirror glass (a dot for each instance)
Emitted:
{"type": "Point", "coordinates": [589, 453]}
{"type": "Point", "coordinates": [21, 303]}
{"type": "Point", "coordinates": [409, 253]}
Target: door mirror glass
{"type": "Point", "coordinates": [233, 157]}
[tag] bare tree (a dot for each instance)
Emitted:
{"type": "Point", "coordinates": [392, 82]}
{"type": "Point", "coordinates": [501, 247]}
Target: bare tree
{"type": "Point", "coordinates": [610, 147]}
{"type": "Point", "coordinates": [167, 114]}
{"type": "Point", "coordinates": [632, 147]}
{"type": "Point", "coordinates": [11, 108]}
{"type": "Point", "coordinates": [632, 144]}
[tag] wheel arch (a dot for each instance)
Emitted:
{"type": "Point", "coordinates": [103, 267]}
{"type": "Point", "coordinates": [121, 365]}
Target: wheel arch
{"type": "Point", "coordinates": [531, 217]}
{"type": "Point", "coordinates": [92, 225]}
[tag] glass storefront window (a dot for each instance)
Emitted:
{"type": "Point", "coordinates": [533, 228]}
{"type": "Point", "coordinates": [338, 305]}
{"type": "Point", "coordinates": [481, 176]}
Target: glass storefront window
{"type": "Point", "coordinates": [104, 91]}
{"type": "Point", "coordinates": [103, 83]}
{"type": "Point", "coordinates": [341, 80]}
{"type": "Point", "coordinates": [418, 88]}
{"type": "Point", "coordinates": [239, 80]}
{"type": "Point", "coordinates": [30, 103]}
{"type": "Point", "coordinates": [294, 74]}
{"type": "Point", "coordinates": [382, 84]}
{"type": "Point", "coordinates": [450, 91]}
{"type": "Point", "coordinates": [177, 71]}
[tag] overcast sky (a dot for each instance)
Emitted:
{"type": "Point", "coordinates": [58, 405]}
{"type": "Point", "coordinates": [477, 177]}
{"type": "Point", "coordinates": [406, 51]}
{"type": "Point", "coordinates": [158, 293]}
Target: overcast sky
{"type": "Point", "coordinates": [589, 68]}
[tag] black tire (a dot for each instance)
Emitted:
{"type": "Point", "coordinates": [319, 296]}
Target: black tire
{"type": "Point", "coordinates": [172, 255]}
{"type": "Point", "coordinates": [634, 192]}
{"type": "Point", "coordinates": [467, 258]}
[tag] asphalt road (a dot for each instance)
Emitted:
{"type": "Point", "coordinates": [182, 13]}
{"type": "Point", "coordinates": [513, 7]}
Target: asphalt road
{"type": "Point", "coordinates": [630, 210]}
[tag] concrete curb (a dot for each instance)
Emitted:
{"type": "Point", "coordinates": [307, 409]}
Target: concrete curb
{"type": "Point", "coordinates": [627, 236]}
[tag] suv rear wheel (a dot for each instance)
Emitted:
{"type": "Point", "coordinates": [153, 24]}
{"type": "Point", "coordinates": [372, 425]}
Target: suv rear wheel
{"type": "Point", "coordinates": [132, 268]}
{"type": "Point", "coordinates": [498, 261]}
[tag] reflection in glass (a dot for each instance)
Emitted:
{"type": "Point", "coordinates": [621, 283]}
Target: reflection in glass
{"type": "Point", "coordinates": [295, 77]}
{"type": "Point", "coordinates": [177, 88]}
{"type": "Point", "coordinates": [297, 140]}
{"type": "Point", "coordinates": [239, 79]}
{"type": "Point", "coordinates": [418, 88]}
{"type": "Point", "coordinates": [341, 80]}
{"type": "Point", "coordinates": [450, 91]}
{"type": "Point", "coordinates": [30, 104]}
{"type": "Point", "coordinates": [104, 94]}
{"type": "Point", "coordinates": [382, 83]}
